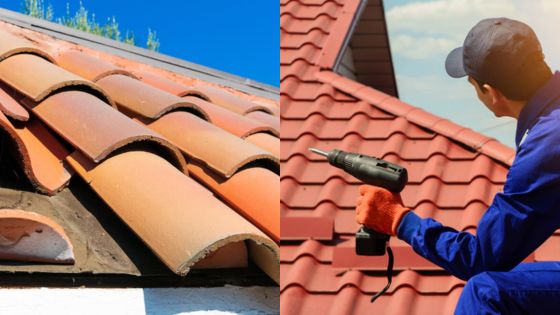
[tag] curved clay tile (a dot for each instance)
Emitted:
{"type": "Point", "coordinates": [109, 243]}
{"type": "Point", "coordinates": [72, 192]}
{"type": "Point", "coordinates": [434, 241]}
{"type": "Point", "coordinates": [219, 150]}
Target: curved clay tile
{"type": "Point", "coordinates": [95, 128]}
{"type": "Point", "coordinates": [230, 101]}
{"type": "Point", "coordinates": [11, 45]}
{"type": "Point", "coordinates": [205, 142]}
{"type": "Point", "coordinates": [11, 108]}
{"type": "Point", "coordinates": [37, 78]}
{"type": "Point", "coordinates": [272, 121]}
{"type": "Point", "coordinates": [88, 66]}
{"type": "Point", "coordinates": [176, 217]}
{"type": "Point", "coordinates": [254, 192]}
{"type": "Point", "coordinates": [167, 85]}
{"type": "Point", "coordinates": [40, 153]}
{"type": "Point", "coordinates": [241, 126]}
{"type": "Point", "coordinates": [28, 236]}
{"type": "Point", "coordinates": [143, 99]}
{"type": "Point", "coordinates": [265, 141]}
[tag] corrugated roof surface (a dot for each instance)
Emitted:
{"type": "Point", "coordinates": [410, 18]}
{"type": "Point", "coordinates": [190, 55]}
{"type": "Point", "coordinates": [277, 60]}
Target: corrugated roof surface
{"type": "Point", "coordinates": [169, 154]}
{"type": "Point", "coordinates": [454, 173]}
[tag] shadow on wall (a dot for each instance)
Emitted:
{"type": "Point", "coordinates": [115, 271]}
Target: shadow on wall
{"type": "Point", "coordinates": [223, 300]}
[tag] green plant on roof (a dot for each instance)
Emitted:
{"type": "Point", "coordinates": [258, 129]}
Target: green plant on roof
{"type": "Point", "coordinates": [83, 21]}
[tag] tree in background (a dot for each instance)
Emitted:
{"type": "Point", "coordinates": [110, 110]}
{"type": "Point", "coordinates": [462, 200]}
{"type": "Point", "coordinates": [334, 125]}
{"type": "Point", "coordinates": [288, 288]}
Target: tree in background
{"type": "Point", "coordinates": [81, 20]}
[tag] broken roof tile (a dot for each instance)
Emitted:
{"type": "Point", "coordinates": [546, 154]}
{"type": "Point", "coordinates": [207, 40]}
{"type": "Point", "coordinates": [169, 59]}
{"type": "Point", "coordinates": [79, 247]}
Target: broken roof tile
{"type": "Point", "coordinates": [151, 196]}
{"type": "Point", "coordinates": [37, 78]}
{"type": "Point", "coordinates": [87, 66]}
{"type": "Point", "coordinates": [40, 153]}
{"type": "Point", "coordinates": [92, 126]}
{"type": "Point", "coordinates": [12, 45]}
{"type": "Point", "coordinates": [138, 97]}
{"type": "Point", "coordinates": [222, 151]}
{"type": "Point", "coordinates": [241, 126]}
{"type": "Point", "coordinates": [11, 108]}
{"type": "Point", "coordinates": [28, 236]}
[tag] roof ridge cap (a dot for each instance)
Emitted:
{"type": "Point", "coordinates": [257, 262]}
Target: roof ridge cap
{"type": "Point", "coordinates": [473, 139]}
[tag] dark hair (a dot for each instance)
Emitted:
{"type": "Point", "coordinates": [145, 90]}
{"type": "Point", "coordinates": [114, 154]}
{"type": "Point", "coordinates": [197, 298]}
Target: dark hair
{"type": "Point", "coordinates": [530, 77]}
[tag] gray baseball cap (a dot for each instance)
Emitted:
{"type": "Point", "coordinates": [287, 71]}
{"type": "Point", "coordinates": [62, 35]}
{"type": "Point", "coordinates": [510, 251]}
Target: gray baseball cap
{"type": "Point", "coordinates": [494, 50]}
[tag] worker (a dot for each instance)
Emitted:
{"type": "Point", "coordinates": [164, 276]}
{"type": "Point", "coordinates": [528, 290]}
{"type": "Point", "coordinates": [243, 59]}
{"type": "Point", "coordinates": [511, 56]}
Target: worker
{"type": "Point", "coordinates": [504, 62]}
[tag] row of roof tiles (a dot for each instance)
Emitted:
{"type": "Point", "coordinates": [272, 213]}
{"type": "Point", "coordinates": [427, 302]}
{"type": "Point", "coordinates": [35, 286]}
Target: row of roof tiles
{"type": "Point", "coordinates": [135, 138]}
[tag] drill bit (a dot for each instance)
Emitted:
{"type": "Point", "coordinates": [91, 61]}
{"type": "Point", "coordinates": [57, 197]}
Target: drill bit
{"type": "Point", "coordinates": [320, 152]}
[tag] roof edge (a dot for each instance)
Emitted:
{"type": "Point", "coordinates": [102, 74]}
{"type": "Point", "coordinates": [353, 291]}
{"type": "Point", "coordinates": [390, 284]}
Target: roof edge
{"type": "Point", "coordinates": [339, 38]}
{"type": "Point", "coordinates": [466, 136]}
{"type": "Point", "coordinates": [140, 54]}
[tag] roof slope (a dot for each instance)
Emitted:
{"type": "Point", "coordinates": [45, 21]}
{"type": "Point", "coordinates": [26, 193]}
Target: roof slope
{"type": "Point", "coordinates": [190, 166]}
{"type": "Point", "coordinates": [454, 173]}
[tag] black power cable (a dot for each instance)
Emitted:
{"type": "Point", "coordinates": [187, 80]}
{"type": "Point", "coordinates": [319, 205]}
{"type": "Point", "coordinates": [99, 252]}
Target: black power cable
{"type": "Point", "coordinates": [389, 275]}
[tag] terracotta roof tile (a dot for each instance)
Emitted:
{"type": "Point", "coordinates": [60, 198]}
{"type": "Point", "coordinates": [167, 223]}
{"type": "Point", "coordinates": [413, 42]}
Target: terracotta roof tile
{"type": "Point", "coordinates": [92, 126]}
{"type": "Point", "coordinates": [143, 99]}
{"type": "Point", "coordinates": [11, 108]}
{"type": "Point", "coordinates": [254, 192]}
{"type": "Point", "coordinates": [161, 199]}
{"type": "Point", "coordinates": [241, 126]}
{"type": "Point", "coordinates": [267, 142]}
{"type": "Point", "coordinates": [87, 66]}
{"type": "Point", "coordinates": [37, 78]}
{"type": "Point", "coordinates": [28, 236]}
{"type": "Point", "coordinates": [269, 120]}
{"type": "Point", "coordinates": [231, 102]}
{"type": "Point", "coordinates": [223, 152]}
{"type": "Point", "coordinates": [130, 167]}
{"type": "Point", "coordinates": [40, 153]}
{"type": "Point", "coordinates": [12, 45]}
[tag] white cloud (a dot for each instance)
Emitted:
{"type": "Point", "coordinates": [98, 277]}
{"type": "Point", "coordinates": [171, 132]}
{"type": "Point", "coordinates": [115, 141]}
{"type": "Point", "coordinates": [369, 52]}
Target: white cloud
{"type": "Point", "coordinates": [420, 47]}
{"type": "Point", "coordinates": [448, 18]}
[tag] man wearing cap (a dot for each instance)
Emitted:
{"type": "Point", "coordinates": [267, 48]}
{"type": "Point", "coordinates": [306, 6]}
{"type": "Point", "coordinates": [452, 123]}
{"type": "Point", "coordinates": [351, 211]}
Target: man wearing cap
{"type": "Point", "coordinates": [503, 60]}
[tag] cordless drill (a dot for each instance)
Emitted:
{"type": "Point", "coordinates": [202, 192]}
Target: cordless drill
{"type": "Point", "coordinates": [371, 171]}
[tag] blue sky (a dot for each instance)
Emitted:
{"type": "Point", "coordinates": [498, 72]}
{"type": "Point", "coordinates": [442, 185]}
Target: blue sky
{"type": "Point", "coordinates": [421, 34]}
{"type": "Point", "coordinates": [239, 37]}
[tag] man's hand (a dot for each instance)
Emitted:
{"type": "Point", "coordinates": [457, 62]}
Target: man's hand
{"type": "Point", "coordinates": [380, 209]}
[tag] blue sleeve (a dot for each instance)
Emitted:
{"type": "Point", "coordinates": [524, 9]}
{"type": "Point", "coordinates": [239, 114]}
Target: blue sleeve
{"type": "Point", "coordinates": [516, 223]}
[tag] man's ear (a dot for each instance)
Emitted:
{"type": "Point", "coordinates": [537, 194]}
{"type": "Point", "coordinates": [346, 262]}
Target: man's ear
{"type": "Point", "coordinates": [497, 96]}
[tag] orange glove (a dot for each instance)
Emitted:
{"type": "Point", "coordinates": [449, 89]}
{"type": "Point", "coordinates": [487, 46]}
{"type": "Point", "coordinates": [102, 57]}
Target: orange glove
{"type": "Point", "coordinates": [379, 209]}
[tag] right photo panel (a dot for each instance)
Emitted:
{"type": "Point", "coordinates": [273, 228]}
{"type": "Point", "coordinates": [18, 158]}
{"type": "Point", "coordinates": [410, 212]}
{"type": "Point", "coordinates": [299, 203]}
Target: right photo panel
{"type": "Point", "coordinates": [420, 152]}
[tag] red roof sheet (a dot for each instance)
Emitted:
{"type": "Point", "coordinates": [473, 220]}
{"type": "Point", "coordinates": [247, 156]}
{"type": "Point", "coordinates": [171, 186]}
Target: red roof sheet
{"type": "Point", "coordinates": [454, 173]}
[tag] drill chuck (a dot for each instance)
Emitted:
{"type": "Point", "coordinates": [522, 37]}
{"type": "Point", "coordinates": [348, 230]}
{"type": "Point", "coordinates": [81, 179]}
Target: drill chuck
{"type": "Point", "coordinates": [368, 169]}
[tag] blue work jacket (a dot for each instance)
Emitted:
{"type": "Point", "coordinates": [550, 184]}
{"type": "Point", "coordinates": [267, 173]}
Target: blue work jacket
{"type": "Point", "coordinates": [521, 217]}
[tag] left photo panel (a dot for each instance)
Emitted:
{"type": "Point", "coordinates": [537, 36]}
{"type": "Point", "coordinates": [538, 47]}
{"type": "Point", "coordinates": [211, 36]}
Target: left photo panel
{"type": "Point", "coordinates": [139, 157]}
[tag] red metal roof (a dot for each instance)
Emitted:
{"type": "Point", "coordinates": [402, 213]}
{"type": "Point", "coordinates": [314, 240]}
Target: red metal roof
{"type": "Point", "coordinates": [454, 173]}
